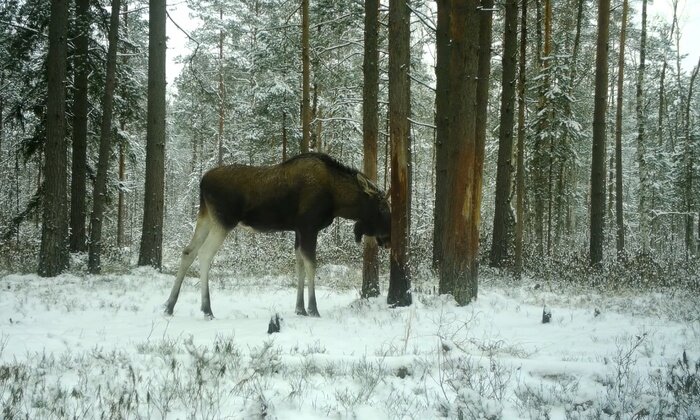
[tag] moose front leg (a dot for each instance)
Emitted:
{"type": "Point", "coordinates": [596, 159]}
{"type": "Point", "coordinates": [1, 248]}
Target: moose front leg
{"type": "Point", "coordinates": [301, 272]}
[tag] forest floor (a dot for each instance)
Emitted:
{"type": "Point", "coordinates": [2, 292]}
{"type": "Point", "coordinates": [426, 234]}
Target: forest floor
{"type": "Point", "coordinates": [100, 346]}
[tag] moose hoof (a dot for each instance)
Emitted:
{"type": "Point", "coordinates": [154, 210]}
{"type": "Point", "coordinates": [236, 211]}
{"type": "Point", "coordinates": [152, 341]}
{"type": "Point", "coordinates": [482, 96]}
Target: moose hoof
{"type": "Point", "coordinates": [301, 312]}
{"type": "Point", "coordinates": [314, 313]}
{"type": "Point", "coordinates": [167, 310]}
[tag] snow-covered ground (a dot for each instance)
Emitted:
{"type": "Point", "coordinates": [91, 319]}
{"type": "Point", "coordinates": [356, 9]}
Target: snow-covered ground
{"type": "Point", "coordinates": [100, 346]}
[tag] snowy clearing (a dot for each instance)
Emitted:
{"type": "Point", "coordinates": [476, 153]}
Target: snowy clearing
{"type": "Point", "coordinates": [99, 346]}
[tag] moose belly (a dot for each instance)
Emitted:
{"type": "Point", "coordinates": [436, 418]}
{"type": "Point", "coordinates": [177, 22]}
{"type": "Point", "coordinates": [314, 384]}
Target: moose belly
{"type": "Point", "coordinates": [271, 221]}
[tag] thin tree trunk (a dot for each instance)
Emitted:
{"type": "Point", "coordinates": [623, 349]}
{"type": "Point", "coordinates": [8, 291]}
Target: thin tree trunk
{"type": "Point", "coordinates": [370, 132]}
{"type": "Point", "coordinates": [599, 123]}
{"type": "Point", "coordinates": [53, 254]}
{"type": "Point", "coordinates": [305, 78]}
{"type": "Point", "coordinates": [98, 200]}
{"type": "Point", "coordinates": [520, 169]}
{"type": "Point", "coordinates": [121, 199]}
{"type": "Point", "coordinates": [539, 160]}
{"type": "Point", "coordinates": [80, 126]}
{"type": "Point", "coordinates": [442, 92]}
{"type": "Point", "coordinates": [547, 121]}
{"type": "Point", "coordinates": [399, 130]}
{"type": "Point", "coordinates": [619, 217]}
{"type": "Point", "coordinates": [151, 251]}
{"type": "Point", "coordinates": [641, 141]}
{"type": "Point", "coordinates": [222, 108]}
{"type": "Point", "coordinates": [689, 161]}
{"type": "Point", "coordinates": [482, 99]}
{"type": "Point", "coordinates": [499, 244]}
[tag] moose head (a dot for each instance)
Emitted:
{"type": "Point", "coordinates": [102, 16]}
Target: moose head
{"type": "Point", "coordinates": [376, 220]}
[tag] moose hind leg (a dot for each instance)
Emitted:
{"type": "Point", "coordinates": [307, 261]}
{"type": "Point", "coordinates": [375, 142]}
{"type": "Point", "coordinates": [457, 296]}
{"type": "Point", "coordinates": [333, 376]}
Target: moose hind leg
{"type": "Point", "coordinates": [188, 255]}
{"type": "Point", "coordinates": [211, 245]}
{"type": "Point", "coordinates": [300, 310]}
{"type": "Point", "coordinates": [311, 274]}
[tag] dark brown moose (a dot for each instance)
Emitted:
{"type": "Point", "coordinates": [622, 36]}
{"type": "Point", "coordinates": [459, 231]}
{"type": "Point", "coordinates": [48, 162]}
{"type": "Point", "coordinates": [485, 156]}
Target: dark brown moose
{"type": "Point", "coordinates": [303, 195]}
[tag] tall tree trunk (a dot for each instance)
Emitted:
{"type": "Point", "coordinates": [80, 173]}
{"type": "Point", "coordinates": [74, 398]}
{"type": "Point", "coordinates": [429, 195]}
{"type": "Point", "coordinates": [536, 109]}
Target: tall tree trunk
{"type": "Point", "coordinates": [151, 251]}
{"type": "Point", "coordinates": [222, 108]}
{"type": "Point", "coordinates": [520, 168]}
{"type": "Point", "coordinates": [80, 126]}
{"type": "Point", "coordinates": [619, 218]}
{"type": "Point", "coordinates": [485, 23]}
{"type": "Point", "coordinates": [370, 132]}
{"type": "Point", "coordinates": [567, 179]}
{"type": "Point", "coordinates": [442, 92]}
{"type": "Point", "coordinates": [598, 151]}
{"type": "Point", "coordinates": [121, 198]}
{"type": "Point", "coordinates": [399, 130]}
{"type": "Point", "coordinates": [540, 151]}
{"type": "Point", "coordinates": [98, 199]}
{"type": "Point", "coordinates": [641, 141]}
{"type": "Point", "coordinates": [53, 253]}
{"type": "Point", "coordinates": [305, 78]}
{"type": "Point", "coordinates": [689, 157]}
{"type": "Point", "coordinates": [549, 143]}
{"type": "Point", "coordinates": [482, 99]}
{"type": "Point", "coordinates": [458, 248]}
{"type": "Point", "coordinates": [500, 242]}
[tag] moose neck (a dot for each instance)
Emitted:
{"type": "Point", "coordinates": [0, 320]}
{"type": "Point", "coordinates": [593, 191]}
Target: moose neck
{"type": "Point", "coordinates": [350, 204]}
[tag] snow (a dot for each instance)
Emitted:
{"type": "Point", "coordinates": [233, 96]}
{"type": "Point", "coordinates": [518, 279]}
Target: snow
{"type": "Point", "coordinates": [89, 346]}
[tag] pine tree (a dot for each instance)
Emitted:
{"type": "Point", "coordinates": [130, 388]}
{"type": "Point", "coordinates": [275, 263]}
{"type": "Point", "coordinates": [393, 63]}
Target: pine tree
{"type": "Point", "coordinates": [400, 110]}
{"type": "Point", "coordinates": [459, 248]}
{"type": "Point", "coordinates": [598, 151]}
{"type": "Point", "coordinates": [502, 219]}
{"type": "Point", "coordinates": [53, 255]}
{"type": "Point", "coordinates": [370, 132]}
{"type": "Point", "coordinates": [619, 217]}
{"type": "Point", "coordinates": [151, 249]}
{"type": "Point", "coordinates": [100, 190]}
{"type": "Point", "coordinates": [80, 127]}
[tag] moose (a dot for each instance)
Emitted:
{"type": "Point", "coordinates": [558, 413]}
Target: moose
{"type": "Point", "coordinates": [303, 194]}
